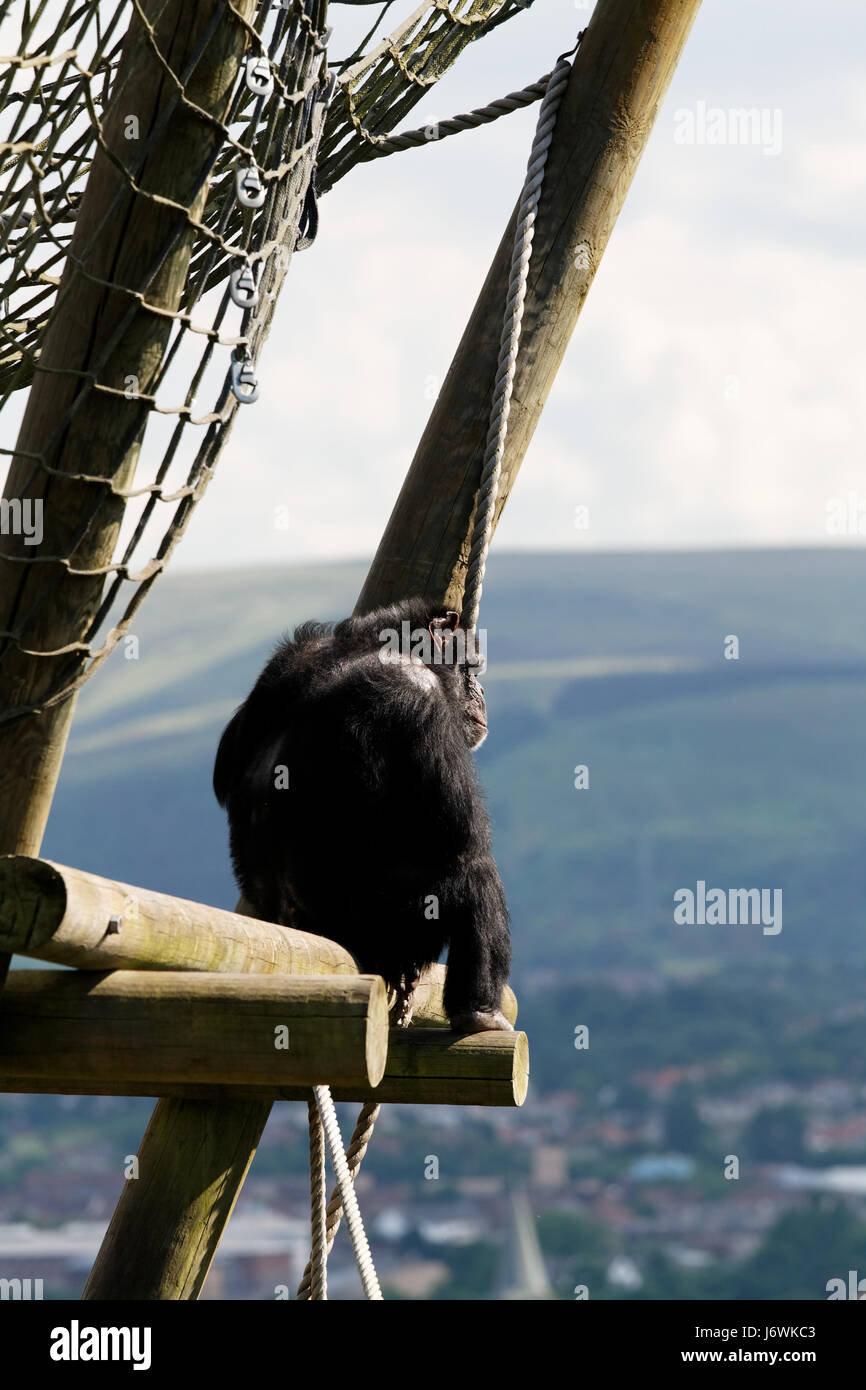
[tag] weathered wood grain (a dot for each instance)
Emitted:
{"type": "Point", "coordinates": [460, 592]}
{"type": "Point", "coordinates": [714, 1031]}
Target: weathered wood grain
{"type": "Point", "coordinates": [427, 1066]}
{"type": "Point", "coordinates": [185, 1028]}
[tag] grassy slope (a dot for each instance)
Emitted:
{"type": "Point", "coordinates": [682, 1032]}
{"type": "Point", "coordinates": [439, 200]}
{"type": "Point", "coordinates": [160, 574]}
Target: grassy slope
{"type": "Point", "coordinates": [743, 774]}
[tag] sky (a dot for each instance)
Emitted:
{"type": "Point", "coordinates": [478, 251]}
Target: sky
{"type": "Point", "coordinates": [712, 393]}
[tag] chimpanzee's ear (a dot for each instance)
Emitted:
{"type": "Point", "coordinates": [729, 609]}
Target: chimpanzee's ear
{"type": "Point", "coordinates": [439, 626]}
{"type": "Point", "coordinates": [228, 756]}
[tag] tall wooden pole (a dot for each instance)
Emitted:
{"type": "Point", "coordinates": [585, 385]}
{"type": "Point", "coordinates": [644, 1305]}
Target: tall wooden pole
{"type": "Point", "coordinates": [623, 69]}
{"type": "Point", "coordinates": [124, 245]}
{"type": "Point", "coordinates": [124, 238]}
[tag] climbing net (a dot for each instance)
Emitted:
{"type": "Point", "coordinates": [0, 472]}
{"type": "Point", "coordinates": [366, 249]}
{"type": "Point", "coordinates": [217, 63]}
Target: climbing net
{"type": "Point", "coordinates": [294, 124]}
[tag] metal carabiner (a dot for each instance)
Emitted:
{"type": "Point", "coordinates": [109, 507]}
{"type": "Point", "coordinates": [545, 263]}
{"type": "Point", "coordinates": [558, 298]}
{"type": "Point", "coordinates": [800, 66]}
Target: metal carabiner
{"type": "Point", "coordinates": [330, 87]}
{"type": "Point", "coordinates": [243, 288]}
{"type": "Point", "coordinates": [249, 187]}
{"type": "Point", "coordinates": [259, 77]}
{"type": "Point", "coordinates": [245, 385]}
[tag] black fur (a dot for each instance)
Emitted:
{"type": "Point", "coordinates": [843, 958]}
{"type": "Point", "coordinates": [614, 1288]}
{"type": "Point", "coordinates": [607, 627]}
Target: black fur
{"type": "Point", "coordinates": [383, 809]}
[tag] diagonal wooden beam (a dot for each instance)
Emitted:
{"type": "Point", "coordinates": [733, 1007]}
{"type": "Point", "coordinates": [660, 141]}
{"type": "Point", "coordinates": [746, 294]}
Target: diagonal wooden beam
{"type": "Point", "coordinates": [621, 72]}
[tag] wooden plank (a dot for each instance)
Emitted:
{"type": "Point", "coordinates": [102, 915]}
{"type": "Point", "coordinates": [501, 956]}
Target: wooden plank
{"type": "Point", "coordinates": [53, 913]}
{"type": "Point", "coordinates": [621, 73]}
{"type": "Point", "coordinates": [426, 1066]}
{"type": "Point", "coordinates": [186, 1028]}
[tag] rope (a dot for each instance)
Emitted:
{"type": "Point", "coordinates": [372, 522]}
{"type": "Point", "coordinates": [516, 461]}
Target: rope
{"type": "Point", "coordinates": [334, 1212]}
{"type": "Point", "coordinates": [478, 116]}
{"type": "Point", "coordinates": [482, 528]}
{"type": "Point", "coordinates": [345, 1170]}
{"type": "Point", "coordinates": [318, 1265]}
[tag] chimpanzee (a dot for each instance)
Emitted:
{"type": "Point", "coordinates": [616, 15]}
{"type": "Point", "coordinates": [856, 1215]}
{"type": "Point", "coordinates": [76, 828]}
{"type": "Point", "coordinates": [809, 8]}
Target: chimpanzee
{"type": "Point", "coordinates": [354, 806]}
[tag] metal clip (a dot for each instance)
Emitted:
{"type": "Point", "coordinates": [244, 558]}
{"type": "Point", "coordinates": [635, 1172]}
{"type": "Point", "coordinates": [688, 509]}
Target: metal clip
{"type": "Point", "coordinates": [330, 87]}
{"type": "Point", "coordinates": [245, 386]}
{"type": "Point", "coordinates": [259, 78]}
{"type": "Point", "coordinates": [249, 187]}
{"type": "Point", "coordinates": [243, 288]}
{"type": "Point", "coordinates": [308, 223]}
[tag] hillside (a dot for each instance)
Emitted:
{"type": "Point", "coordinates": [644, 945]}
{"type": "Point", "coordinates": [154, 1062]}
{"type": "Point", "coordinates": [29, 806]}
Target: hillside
{"type": "Point", "coordinates": [739, 773]}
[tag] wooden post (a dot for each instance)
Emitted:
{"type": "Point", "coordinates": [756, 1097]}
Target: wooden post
{"type": "Point", "coordinates": [620, 76]}
{"type": "Point", "coordinates": [73, 427]}
{"type": "Point", "coordinates": [183, 1028]}
{"type": "Point", "coordinates": [626, 60]}
{"type": "Point", "coordinates": [167, 1225]}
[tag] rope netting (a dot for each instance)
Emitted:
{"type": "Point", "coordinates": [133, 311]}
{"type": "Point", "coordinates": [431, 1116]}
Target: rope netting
{"type": "Point", "coordinates": [296, 122]}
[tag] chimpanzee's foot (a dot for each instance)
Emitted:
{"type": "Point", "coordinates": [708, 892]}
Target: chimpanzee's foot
{"type": "Point", "coordinates": [479, 1021]}
{"type": "Point", "coordinates": [402, 1003]}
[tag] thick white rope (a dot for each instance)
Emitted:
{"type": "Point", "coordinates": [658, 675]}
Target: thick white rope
{"type": "Point", "coordinates": [333, 1139]}
{"type": "Point", "coordinates": [485, 505]}
{"type": "Point", "coordinates": [334, 1213]}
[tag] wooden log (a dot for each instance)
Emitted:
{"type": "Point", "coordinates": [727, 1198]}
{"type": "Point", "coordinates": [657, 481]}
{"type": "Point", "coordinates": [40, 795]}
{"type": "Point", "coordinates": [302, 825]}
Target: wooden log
{"type": "Point", "coordinates": [433, 1067]}
{"type": "Point", "coordinates": [621, 73]}
{"type": "Point", "coordinates": [54, 913]}
{"type": "Point", "coordinates": [128, 251]}
{"type": "Point", "coordinates": [182, 1029]}
{"type": "Point", "coordinates": [64, 915]}
{"type": "Point", "coordinates": [425, 1066]}
{"type": "Point", "coordinates": [165, 1230]}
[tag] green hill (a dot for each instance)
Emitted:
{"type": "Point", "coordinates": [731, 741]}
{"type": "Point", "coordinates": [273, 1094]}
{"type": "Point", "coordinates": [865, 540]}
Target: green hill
{"type": "Point", "coordinates": [742, 773]}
